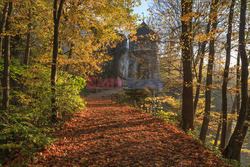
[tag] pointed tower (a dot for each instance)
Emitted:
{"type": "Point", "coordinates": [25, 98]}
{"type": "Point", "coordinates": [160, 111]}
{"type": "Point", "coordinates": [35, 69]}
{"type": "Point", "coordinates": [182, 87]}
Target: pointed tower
{"type": "Point", "coordinates": [143, 49]}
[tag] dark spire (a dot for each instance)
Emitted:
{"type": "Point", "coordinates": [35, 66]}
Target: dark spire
{"type": "Point", "coordinates": [144, 29]}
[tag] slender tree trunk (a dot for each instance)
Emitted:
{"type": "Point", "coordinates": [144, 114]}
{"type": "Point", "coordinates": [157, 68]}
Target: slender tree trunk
{"type": "Point", "coordinates": [209, 82]}
{"type": "Point", "coordinates": [230, 120]}
{"type": "Point", "coordinates": [225, 77]}
{"type": "Point", "coordinates": [238, 71]}
{"type": "Point", "coordinates": [56, 15]}
{"type": "Point", "coordinates": [27, 49]}
{"type": "Point", "coordinates": [186, 40]}
{"type": "Point", "coordinates": [196, 60]}
{"type": "Point", "coordinates": [2, 25]}
{"type": "Point", "coordinates": [198, 86]}
{"type": "Point", "coordinates": [217, 133]}
{"type": "Point", "coordinates": [6, 71]}
{"type": "Point", "coordinates": [236, 103]}
{"type": "Point", "coordinates": [234, 146]}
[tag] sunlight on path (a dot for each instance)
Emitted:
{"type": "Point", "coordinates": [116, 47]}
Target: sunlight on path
{"type": "Point", "coordinates": [110, 134]}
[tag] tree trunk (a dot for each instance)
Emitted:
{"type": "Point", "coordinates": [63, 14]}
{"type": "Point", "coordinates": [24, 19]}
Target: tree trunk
{"type": "Point", "coordinates": [56, 16]}
{"type": "Point", "coordinates": [236, 103]}
{"type": "Point", "coordinates": [6, 70]}
{"type": "Point", "coordinates": [209, 82]}
{"type": "Point", "coordinates": [198, 86]}
{"type": "Point", "coordinates": [233, 149]}
{"type": "Point", "coordinates": [225, 77]}
{"type": "Point", "coordinates": [234, 146]}
{"type": "Point", "coordinates": [186, 40]}
{"type": "Point", "coordinates": [196, 60]}
{"type": "Point", "coordinates": [230, 120]}
{"type": "Point", "coordinates": [27, 49]}
{"type": "Point", "coordinates": [238, 71]}
{"type": "Point", "coordinates": [2, 25]}
{"type": "Point", "coordinates": [217, 133]}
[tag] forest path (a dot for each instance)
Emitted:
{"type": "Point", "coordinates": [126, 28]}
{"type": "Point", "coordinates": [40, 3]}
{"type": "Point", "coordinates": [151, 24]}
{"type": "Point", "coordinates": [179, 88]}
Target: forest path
{"type": "Point", "coordinates": [111, 134]}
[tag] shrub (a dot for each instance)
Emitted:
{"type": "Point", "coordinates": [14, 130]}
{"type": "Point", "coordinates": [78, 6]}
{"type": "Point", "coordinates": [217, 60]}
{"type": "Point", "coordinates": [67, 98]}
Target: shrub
{"type": "Point", "coordinates": [24, 128]}
{"type": "Point", "coordinates": [134, 97]}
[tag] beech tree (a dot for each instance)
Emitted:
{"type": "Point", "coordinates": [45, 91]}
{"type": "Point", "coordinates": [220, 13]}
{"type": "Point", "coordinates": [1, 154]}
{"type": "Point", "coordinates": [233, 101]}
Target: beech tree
{"type": "Point", "coordinates": [2, 24]}
{"type": "Point", "coordinates": [186, 47]}
{"type": "Point", "coordinates": [203, 50]}
{"type": "Point", "coordinates": [57, 12]}
{"type": "Point", "coordinates": [225, 76]}
{"type": "Point", "coordinates": [6, 71]}
{"type": "Point", "coordinates": [204, 127]}
{"type": "Point", "coordinates": [233, 149]}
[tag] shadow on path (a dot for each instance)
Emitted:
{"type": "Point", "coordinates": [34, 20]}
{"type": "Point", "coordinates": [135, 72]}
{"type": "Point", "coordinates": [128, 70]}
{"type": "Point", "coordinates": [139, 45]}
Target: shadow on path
{"type": "Point", "coordinates": [110, 134]}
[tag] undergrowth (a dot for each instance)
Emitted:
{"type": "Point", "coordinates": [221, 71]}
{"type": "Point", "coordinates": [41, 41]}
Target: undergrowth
{"type": "Point", "coordinates": [25, 127]}
{"type": "Point", "coordinates": [166, 108]}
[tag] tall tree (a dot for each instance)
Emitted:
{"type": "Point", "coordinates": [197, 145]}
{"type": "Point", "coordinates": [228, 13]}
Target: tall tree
{"type": "Point", "coordinates": [2, 24]}
{"type": "Point", "coordinates": [56, 16]}
{"type": "Point", "coordinates": [225, 76]}
{"type": "Point", "coordinates": [233, 149]}
{"type": "Point", "coordinates": [6, 70]}
{"type": "Point", "coordinates": [186, 47]}
{"type": "Point", "coordinates": [217, 133]}
{"type": "Point", "coordinates": [236, 103]}
{"type": "Point", "coordinates": [204, 127]}
{"type": "Point", "coordinates": [230, 120]}
{"type": "Point", "coordinates": [238, 72]}
{"type": "Point", "coordinates": [203, 49]}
